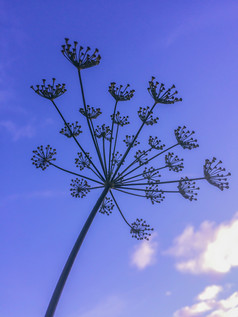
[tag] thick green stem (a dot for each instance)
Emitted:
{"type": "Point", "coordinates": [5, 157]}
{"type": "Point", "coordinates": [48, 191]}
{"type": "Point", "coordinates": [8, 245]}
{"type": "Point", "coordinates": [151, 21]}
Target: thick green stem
{"type": "Point", "coordinates": [65, 273]}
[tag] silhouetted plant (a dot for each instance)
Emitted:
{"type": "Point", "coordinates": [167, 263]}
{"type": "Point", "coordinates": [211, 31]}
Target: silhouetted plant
{"type": "Point", "coordinates": [111, 171]}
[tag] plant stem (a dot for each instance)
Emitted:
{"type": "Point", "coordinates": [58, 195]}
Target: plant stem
{"type": "Point", "coordinates": [65, 170]}
{"type": "Point", "coordinates": [131, 145]}
{"type": "Point", "coordinates": [65, 273]}
{"type": "Point", "coordinates": [90, 124]}
{"type": "Point", "coordinates": [96, 172]}
{"type": "Point", "coordinates": [112, 128]}
{"type": "Point", "coordinates": [147, 161]}
{"type": "Point", "coordinates": [119, 209]}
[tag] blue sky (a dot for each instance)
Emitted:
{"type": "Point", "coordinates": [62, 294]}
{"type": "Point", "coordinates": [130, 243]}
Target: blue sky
{"type": "Point", "coordinates": [190, 266]}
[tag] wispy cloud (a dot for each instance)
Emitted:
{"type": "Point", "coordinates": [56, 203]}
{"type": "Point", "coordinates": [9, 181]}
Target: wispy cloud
{"type": "Point", "coordinates": [144, 254]}
{"type": "Point", "coordinates": [34, 194]}
{"type": "Point", "coordinates": [23, 131]}
{"type": "Point", "coordinates": [214, 14]}
{"type": "Point", "coordinates": [207, 303]}
{"type": "Point", "coordinates": [210, 249]}
{"type": "Point", "coordinates": [111, 306]}
{"type": "Point", "coordinates": [18, 132]}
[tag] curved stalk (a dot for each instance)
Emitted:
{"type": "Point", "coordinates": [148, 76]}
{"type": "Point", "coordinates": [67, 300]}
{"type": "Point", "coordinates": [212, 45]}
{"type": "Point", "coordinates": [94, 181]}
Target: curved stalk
{"type": "Point", "coordinates": [65, 273]}
{"type": "Point", "coordinates": [119, 209]}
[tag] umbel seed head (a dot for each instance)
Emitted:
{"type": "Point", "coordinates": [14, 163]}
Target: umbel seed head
{"type": "Point", "coordinates": [42, 158]}
{"type": "Point", "coordinates": [155, 143]}
{"type": "Point", "coordinates": [162, 95]}
{"type": "Point", "coordinates": [71, 130]}
{"type": "Point", "coordinates": [80, 57]}
{"type": "Point", "coordinates": [103, 131]}
{"type": "Point", "coordinates": [83, 160]}
{"type": "Point", "coordinates": [119, 120]}
{"type": "Point", "coordinates": [154, 194]}
{"type": "Point", "coordinates": [90, 112]}
{"type": "Point", "coordinates": [141, 157]}
{"type": "Point", "coordinates": [129, 140]}
{"type": "Point", "coordinates": [79, 188]}
{"type": "Point", "coordinates": [140, 230]}
{"type": "Point", "coordinates": [185, 139]}
{"type": "Point", "coordinates": [187, 189]}
{"type": "Point", "coordinates": [173, 162]}
{"type": "Point", "coordinates": [49, 91]}
{"type": "Point", "coordinates": [106, 206]}
{"type": "Point", "coordinates": [213, 173]}
{"type": "Point", "coordinates": [120, 94]}
{"type": "Point", "coordinates": [146, 116]}
{"type": "Point", "coordinates": [151, 175]}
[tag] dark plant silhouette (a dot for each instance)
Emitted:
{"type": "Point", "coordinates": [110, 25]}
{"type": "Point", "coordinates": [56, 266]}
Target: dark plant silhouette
{"type": "Point", "coordinates": [110, 170]}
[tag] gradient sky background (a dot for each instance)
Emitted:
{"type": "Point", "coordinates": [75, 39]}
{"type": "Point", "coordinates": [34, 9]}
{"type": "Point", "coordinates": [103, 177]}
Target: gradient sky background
{"type": "Point", "coordinates": [190, 267]}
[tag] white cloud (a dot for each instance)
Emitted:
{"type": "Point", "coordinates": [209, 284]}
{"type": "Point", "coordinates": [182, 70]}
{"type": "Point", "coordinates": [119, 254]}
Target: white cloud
{"type": "Point", "coordinates": [144, 254]}
{"type": "Point", "coordinates": [16, 131]}
{"type": "Point", "coordinates": [194, 310]}
{"type": "Point", "coordinates": [210, 306]}
{"type": "Point", "coordinates": [210, 249]}
{"type": "Point", "coordinates": [210, 292]}
{"type": "Point", "coordinates": [111, 306]}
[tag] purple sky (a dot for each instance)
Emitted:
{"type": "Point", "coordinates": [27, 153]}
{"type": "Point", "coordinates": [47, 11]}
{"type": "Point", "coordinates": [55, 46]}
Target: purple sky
{"type": "Point", "coordinates": [190, 266]}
